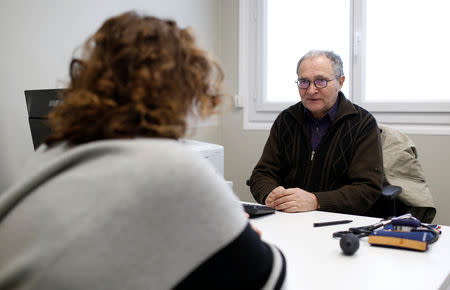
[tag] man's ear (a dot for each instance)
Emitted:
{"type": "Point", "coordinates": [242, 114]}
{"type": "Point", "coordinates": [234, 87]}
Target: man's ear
{"type": "Point", "coordinates": [341, 80]}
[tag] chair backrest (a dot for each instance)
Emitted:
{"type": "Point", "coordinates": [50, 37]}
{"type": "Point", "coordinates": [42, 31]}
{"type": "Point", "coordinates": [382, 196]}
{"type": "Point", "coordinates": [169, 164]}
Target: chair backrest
{"type": "Point", "coordinates": [402, 168]}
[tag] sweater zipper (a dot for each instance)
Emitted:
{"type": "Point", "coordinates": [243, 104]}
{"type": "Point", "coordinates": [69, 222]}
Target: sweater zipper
{"type": "Point", "coordinates": [313, 153]}
{"type": "Point", "coordinates": [308, 178]}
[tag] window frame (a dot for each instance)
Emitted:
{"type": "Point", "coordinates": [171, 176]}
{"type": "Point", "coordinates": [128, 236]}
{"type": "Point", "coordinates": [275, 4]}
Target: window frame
{"type": "Point", "coordinates": [411, 117]}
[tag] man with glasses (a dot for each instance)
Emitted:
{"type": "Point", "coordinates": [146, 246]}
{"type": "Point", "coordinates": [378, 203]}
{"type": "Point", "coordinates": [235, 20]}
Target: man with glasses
{"type": "Point", "coordinates": [323, 152]}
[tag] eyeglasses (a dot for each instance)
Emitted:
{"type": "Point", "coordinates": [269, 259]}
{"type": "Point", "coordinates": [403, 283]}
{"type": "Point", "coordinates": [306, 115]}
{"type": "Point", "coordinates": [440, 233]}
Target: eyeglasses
{"type": "Point", "coordinates": [319, 83]}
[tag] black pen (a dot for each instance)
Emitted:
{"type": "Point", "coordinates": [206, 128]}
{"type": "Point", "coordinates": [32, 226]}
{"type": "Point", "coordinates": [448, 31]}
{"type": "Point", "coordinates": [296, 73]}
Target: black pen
{"type": "Point", "coordinates": [331, 223]}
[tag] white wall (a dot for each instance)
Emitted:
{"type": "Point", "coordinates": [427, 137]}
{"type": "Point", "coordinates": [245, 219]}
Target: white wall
{"type": "Point", "coordinates": [38, 38]}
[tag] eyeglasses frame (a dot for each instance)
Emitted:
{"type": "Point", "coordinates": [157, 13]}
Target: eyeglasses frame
{"type": "Point", "coordinates": [314, 82]}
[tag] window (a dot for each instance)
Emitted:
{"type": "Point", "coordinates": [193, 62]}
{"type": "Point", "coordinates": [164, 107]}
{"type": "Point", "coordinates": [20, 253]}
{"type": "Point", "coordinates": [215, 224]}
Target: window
{"type": "Point", "coordinates": [395, 68]}
{"type": "Point", "coordinates": [285, 49]}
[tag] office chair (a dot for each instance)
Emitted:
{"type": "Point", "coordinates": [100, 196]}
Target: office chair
{"type": "Point", "coordinates": [402, 169]}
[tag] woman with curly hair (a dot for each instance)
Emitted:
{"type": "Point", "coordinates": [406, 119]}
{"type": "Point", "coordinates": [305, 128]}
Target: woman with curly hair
{"type": "Point", "coordinates": [112, 200]}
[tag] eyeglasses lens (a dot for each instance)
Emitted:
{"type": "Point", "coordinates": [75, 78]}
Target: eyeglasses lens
{"type": "Point", "coordinates": [320, 83]}
{"type": "Point", "coordinates": [303, 84]}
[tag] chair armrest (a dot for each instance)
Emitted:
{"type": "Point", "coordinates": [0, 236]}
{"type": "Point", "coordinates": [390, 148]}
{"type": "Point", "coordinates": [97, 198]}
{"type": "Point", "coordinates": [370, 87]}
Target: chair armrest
{"type": "Point", "coordinates": [391, 191]}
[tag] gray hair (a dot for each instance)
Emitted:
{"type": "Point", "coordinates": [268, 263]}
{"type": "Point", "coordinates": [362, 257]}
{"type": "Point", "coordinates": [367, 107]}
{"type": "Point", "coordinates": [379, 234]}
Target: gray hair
{"type": "Point", "coordinates": [335, 59]}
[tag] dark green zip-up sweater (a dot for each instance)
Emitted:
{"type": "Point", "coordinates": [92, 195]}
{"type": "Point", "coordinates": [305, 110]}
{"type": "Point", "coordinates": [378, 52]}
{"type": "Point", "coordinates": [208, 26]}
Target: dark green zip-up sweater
{"type": "Point", "coordinates": [346, 170]}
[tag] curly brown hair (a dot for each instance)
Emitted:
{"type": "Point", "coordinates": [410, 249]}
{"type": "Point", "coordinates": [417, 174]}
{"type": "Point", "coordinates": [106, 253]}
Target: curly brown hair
{"type": "Point", "coordinates": [138, 76]}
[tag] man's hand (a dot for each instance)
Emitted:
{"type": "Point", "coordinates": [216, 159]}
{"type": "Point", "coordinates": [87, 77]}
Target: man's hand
{"type": "Point", "coordinates": [276, 191]}
{"type": "Point", "coordinates": [292, 200]}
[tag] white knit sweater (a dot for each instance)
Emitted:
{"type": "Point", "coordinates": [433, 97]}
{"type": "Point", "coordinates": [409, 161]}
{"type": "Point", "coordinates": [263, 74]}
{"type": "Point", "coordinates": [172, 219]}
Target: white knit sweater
{"type": "Point", "coordinates": [125, 214]}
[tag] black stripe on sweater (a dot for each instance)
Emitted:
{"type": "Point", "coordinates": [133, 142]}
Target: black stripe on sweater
{"type": "Point", "coordinates": [245, 263]}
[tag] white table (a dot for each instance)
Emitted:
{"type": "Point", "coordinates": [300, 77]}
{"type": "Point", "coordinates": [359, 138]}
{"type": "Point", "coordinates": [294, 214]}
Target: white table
{"type": "Point", "coordinates": [315, 260]}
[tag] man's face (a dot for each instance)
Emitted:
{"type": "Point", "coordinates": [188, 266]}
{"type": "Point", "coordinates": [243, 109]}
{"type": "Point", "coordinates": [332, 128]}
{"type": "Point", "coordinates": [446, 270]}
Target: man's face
{"type": "Point", "coordinates": [316, 100]}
